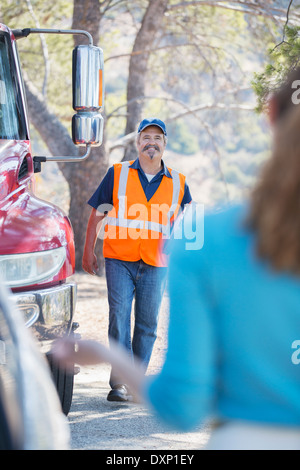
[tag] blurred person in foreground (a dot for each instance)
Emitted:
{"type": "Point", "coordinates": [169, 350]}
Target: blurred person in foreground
{"type": "Point", "coordinates": [234, 315]}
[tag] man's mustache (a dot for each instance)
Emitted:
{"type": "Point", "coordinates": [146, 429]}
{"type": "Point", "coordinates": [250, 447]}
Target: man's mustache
{"type": "Point", "coordinates": [147, 147]}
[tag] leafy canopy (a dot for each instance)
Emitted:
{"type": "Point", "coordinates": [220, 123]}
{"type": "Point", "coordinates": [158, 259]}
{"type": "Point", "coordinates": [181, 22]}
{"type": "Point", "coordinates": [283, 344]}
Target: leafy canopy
{"type": "Point", "coordinates": [282, 59]}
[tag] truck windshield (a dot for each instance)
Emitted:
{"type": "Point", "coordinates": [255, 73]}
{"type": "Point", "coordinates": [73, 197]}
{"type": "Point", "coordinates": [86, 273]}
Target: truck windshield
{"type": "Point", "coordinates": [12, 121]}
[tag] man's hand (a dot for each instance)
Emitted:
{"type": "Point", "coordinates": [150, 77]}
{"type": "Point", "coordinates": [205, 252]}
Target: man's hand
{"type": "Point", "coordinates": [89, 263]}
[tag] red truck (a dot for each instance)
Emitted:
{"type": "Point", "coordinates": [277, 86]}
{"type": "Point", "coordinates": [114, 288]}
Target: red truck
{"type": "Point", "coordinates": [37, 253]}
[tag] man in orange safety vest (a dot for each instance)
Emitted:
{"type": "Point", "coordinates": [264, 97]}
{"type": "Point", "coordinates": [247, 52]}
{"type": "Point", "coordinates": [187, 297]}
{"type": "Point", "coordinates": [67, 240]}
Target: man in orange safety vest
{"type": "Point", "coordinates": [139, 202]}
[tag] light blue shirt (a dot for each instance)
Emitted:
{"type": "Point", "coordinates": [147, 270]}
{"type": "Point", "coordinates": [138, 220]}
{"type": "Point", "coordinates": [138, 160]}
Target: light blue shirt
{"type": "Point", "coordinates": [233, 321]}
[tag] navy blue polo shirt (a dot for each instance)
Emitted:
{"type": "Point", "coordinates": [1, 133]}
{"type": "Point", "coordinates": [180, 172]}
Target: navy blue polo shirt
{"type": "Point", "coordinates": [104, 192]}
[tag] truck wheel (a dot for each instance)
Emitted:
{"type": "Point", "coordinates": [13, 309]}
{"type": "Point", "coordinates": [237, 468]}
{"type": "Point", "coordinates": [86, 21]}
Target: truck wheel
{"type": "Point", "coordinates": [6, 438]}
{"type": "Point", "coordinates": [64, 381]}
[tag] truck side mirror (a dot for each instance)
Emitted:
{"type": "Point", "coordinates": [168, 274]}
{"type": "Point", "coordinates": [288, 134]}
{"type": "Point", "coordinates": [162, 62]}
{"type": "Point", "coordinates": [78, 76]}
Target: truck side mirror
{"type": "Point", "coordinates": [88, 95]}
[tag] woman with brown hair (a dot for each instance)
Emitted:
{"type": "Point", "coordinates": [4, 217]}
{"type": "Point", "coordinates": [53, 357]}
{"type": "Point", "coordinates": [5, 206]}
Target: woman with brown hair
{"type": "Point", "coordinates": [275, 202]}
{"type": "Point", "coordinates": [234, 328]}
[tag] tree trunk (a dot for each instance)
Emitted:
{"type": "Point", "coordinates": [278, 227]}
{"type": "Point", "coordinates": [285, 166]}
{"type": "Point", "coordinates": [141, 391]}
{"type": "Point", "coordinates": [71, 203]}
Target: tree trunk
{"type": "Point", "coordinates": [53, 133]}
{"type": "Point", "coordinates": [86, 16]}
{"type": "Point", "coordinates": [84, 180]}
{"type": "Point", "coordinates": [83, 177]}
{"type": "Point", "coordinates": [138, 68]}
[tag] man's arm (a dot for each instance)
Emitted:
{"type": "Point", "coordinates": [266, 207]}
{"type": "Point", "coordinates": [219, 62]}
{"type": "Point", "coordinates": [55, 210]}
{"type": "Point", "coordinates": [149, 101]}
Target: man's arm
{"type": "Point", "coordinates": [187, 198]}
{"type": "Point", "coordinates": [89, 259]}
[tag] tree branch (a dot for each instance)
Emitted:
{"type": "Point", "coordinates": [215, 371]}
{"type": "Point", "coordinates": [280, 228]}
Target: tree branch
{"type": "Point", "coordinates": [243, 7]}
{"type": "Point", "coordinates": [285, 26]}
{"type": "Point", "coordinates": [124, 141]}
{"type": "Point", "coordinates": [44, 48]}
{"type": "Point", "coordinates": [51, 130]}
{"type": "Point", "coordinates": [109, 5]}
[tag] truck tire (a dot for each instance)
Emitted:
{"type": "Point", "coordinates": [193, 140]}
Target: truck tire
{"type": "Point", "coordinates": [64, 382]}
{"type": "Point", "coordinates": [6, 439]}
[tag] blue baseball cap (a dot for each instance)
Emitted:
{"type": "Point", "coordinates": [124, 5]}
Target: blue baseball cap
{"type": "Point", "coordinates": [152, 122]}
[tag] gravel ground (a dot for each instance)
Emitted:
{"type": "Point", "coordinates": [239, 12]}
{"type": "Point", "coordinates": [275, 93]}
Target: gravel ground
{"type": "Point", "coordinates": [97, 424]}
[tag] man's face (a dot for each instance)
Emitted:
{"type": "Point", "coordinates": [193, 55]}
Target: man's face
{"type": "Point", "coordinates": [151, 143]}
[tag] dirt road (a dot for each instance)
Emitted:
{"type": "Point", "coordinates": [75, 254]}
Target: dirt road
{"type": "Point", "coordinates": [98, 424]}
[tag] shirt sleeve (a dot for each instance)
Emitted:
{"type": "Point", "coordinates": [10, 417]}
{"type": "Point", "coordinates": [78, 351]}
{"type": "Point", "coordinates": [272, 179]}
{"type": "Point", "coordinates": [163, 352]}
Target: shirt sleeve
{"type": "Point", "coordinates": [187, 198]}
{"type": "Point", "coordinates": [183, 393]}
{"type": "Point", "coordinates": [103, 196]}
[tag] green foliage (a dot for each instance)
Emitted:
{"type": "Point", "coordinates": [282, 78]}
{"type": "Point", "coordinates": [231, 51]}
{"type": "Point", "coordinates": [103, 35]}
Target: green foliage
{"type": "Point", "coordinates": [181, 139]}
{"type": "Point", "coordinates": [115, 102]}
{"type": "Point", "coordinates": [281, 60]}
{"type": "Point", "coordinates": [16, 14]}
{"type": "Point", "coordinates": [199, 57]}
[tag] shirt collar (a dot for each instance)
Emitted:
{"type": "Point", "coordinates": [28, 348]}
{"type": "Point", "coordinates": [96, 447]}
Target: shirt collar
{"type": "Point", "coordinates": [136, 165]}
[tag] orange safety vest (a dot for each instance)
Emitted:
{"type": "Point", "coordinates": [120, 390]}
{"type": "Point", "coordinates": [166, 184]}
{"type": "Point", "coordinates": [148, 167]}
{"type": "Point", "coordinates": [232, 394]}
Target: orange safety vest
{"type": "Point", "coordinates": [135, 228]}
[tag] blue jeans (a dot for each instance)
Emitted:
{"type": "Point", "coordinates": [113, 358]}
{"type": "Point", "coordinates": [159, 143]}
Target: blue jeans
{"type": "Point", "coordinates": [127, 280]}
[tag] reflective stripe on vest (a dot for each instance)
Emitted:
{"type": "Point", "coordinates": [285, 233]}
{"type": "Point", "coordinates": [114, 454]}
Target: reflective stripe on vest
{"type": "Point", "coordinates": [121, 221]}
{"type": "Point", "coordinates": [135, 228]}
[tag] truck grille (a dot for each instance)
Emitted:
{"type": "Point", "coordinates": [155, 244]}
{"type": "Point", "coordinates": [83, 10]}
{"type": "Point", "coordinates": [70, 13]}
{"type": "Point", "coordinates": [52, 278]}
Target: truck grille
{"type": "Point", "coordinates": [23, 171]}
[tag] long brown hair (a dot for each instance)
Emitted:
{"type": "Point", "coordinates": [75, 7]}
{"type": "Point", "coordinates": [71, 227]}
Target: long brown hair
{"type": "Point", "coordinates": [275, 201]}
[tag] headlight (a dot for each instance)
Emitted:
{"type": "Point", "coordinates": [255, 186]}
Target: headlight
{"type": "Point", "coordinates": [30, 268]}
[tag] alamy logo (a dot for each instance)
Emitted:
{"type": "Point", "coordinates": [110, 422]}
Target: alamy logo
{"type": "Point", "coordinates": [296, 93]}
{"type": "Point", "coordinates": [136, 222]}
{"type": "Point", "coordinates": [296, 353]}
